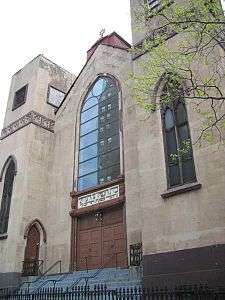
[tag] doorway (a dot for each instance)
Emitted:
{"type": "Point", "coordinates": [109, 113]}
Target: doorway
{"type": "Point", "coordinates": [101, 240]}
{"type": "Point", "coordinates": [31, 257]}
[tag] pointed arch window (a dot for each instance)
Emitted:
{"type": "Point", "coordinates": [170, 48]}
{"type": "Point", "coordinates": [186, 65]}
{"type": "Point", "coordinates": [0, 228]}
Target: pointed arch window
{"type": "Point", "coordinates": [99, 147]}
{"type": "Point", "coordinates": [6, 196]}
{"type": "Point", "coordinates": [177, 140]}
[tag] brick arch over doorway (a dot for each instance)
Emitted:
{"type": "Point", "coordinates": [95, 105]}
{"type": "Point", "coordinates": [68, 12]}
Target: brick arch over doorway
{"type": "Point", "coordinates": [39, 225]}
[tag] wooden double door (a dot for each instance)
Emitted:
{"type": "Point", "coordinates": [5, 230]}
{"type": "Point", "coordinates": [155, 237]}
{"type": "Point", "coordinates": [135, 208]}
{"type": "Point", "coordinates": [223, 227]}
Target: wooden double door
{"type": "Point", "coordinates": [101, 240]}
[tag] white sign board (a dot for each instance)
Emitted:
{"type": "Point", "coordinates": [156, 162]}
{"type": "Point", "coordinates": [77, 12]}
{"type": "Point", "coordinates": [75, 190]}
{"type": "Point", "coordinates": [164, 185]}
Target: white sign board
{"type": "Point", "coordinates": [98, 197]}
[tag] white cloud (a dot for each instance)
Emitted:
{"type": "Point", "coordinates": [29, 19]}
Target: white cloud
{"type": "Point", "coordinates": [61, 30]}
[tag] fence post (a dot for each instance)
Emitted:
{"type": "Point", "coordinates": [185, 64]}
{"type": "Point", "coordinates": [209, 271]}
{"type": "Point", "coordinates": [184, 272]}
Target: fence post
{"type": "Point", "coordinates": [100, 292]}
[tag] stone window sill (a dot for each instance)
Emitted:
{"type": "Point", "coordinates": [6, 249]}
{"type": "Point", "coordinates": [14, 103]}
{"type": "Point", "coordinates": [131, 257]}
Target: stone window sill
{"type": "Point", "coordinates": [3, 236]}
{"type": "Point", "coordinates": [181, 189]}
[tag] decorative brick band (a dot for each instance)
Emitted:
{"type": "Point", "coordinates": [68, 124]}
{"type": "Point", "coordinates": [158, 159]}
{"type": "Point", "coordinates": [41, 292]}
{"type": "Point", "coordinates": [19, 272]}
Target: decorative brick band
{"type": "Point", "coordinates": [32, 117]}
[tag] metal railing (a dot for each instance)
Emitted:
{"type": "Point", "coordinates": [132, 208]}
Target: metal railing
{"type": "Point", "coordinates": [98, 271]}
{"type": "Point", "coordinates": [101, 293]}
{"type": "Point", "coordinates": [58, 262]}
{"type": "Point", "coordinates": [41, 286]}
{"type": "Point", "coordinates": [41, 275]}
{"type": "Point", "coordinates": [32, 267]}
{"type": "Point", "coordinates": [136, 254]}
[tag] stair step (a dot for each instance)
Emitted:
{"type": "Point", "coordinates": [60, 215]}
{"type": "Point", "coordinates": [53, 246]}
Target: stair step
{"type": "Point", "coordinates": [112, 278]}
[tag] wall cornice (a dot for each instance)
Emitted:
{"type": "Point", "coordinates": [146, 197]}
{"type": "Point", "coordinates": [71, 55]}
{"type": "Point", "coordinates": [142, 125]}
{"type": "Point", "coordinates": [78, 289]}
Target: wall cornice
{"type": "Point", "coordinates": [31, 117]}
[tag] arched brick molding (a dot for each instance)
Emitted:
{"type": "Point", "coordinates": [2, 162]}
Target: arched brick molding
{"type": "Point", "coordinates": [39, 225]}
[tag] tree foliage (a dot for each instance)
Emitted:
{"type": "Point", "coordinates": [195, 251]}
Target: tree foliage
{"type": "Point", "coordinates": [186, 43]}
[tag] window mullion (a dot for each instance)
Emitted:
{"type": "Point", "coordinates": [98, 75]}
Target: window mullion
{"type": "Point", "coordinates": [178, 146]}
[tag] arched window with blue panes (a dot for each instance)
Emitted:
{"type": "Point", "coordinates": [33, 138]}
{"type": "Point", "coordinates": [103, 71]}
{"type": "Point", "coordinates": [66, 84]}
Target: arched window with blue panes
{"type": "Point", "coordinates": [99, 140]}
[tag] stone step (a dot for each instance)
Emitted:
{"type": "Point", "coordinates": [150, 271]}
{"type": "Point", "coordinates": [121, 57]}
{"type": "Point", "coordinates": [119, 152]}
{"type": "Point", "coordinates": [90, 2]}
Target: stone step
{"type": "Point", "coordinates": [112, 278]}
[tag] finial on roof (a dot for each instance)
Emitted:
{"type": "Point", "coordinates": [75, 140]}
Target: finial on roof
{"type": "Point", "coordinates": [102, 32]}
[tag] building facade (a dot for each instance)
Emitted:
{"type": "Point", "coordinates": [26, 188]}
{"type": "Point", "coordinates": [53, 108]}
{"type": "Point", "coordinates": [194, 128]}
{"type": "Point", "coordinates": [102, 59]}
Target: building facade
{"type": "Point", "coordinates": [84, 177]}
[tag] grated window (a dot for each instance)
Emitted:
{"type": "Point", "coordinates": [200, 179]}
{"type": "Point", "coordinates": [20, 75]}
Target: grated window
{"type": "Point", "coordinates": [20, 97]}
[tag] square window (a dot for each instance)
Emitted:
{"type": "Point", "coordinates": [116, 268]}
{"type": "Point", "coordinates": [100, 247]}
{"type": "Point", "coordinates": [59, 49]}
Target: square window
{"type": "Point", "coordinates": [20, 97]}
{"type": "Point", "coordinates": [55, 96]}
{"type": "Point", "coordinates": [153, 4]}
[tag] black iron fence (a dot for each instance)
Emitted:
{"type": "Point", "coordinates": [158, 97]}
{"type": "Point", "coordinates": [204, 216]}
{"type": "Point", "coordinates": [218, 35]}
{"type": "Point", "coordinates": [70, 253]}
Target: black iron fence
{"type": "Point", "coordinates": [102, 293]}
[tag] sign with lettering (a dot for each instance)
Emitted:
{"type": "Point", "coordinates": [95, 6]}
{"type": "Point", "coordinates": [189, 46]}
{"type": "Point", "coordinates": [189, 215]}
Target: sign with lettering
{"type": "Point", "coordinates": [98, 197]}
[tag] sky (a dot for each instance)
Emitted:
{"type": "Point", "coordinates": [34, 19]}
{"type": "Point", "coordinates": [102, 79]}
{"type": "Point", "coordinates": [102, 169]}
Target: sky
{"type": "Point", "coordinates": [61, 30]}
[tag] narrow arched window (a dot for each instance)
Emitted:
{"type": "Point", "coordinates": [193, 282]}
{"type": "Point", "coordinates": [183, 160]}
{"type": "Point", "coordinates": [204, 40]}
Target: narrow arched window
{"type": "Point", "coordinates": [177, 139]}
{"type": "Point", "coordinates": [99, 147]}
{"type": "Point", "coordinates": [6, 197]}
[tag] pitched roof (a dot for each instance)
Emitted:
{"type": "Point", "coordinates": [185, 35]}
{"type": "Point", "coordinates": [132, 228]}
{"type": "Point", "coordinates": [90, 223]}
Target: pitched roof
{"type": "Point", "coordinates": [113, 39]}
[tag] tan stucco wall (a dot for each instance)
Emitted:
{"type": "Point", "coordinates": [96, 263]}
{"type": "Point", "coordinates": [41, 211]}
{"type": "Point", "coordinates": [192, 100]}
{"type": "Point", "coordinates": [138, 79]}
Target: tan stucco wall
{"type": "Point", "coordinates": [46, 171]}
{"type": "Point", "coordinates": [48, 168]}
{"type": "Point", "coordinates": [32, 147]}
{"type": "Point", "coordinates": [188, 220]}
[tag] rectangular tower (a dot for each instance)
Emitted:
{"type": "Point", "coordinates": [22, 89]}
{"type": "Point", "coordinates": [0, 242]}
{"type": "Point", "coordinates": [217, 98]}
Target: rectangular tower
{"type": "Point", "coordinates": [27, 139]}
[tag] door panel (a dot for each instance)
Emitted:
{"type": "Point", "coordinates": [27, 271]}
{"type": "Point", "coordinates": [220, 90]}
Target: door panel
{"type": "Point", "coordinates": [89, 250]}
{"type": "Point", "coordinates": [112, 217]}
{"type": "Point", "coordinates": [101, 241]}
{"type": "Point", "coordinates": [114, 245]}
{"type": "Point", "coordinates": [88, 222]}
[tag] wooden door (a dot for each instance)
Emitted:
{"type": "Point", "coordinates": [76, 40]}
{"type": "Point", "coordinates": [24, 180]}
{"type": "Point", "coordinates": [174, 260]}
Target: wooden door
{"type": "Point", "coordinates": [101, 241]}
{"type": "Point", "coordinates": [89, 243]}
{"type": "Point", "coordinates": [32, 252]}
{"type": "Point", "coordinates": [114, 251]}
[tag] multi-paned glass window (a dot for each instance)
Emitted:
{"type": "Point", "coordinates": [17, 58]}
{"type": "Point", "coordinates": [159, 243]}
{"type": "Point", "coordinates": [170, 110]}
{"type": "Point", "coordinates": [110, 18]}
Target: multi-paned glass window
{"type": "Point", "coordinates": [177, 139]}
{"type": "Point", "coordinates": [99, 147]}
{"type": "Point", "coordinates": [55, 96]}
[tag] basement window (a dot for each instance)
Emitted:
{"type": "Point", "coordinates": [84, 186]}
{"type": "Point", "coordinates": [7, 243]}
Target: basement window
{"type": "Point", "coordinates": [20, 97]}
{"type": "Point", "coordinates": [55, 96]}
